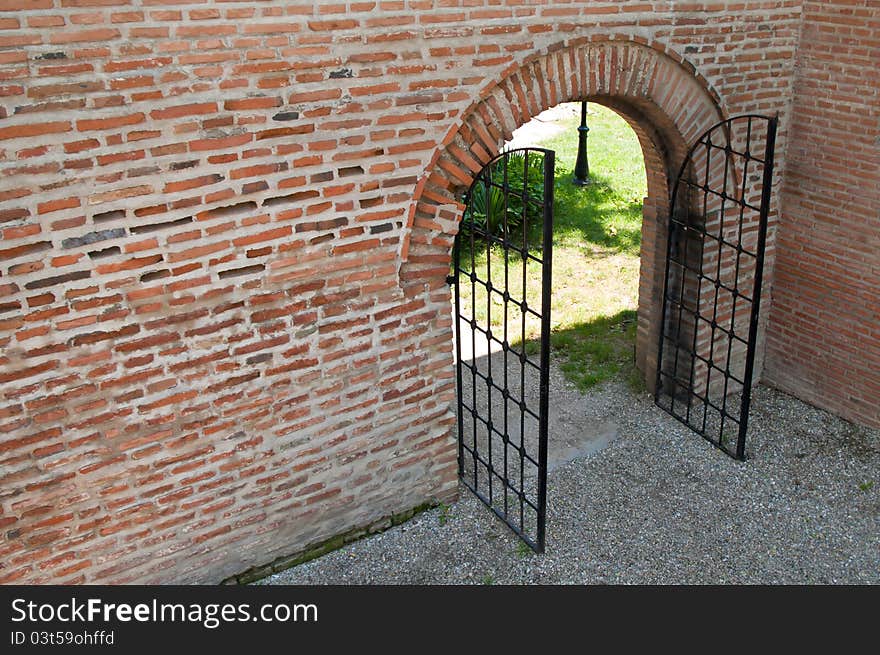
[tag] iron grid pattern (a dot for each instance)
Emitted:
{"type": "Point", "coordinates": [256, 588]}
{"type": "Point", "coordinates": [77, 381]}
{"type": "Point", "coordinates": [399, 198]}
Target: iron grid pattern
{"type": "Point", "coordinates": [502, 434]}
{"type": "Point", "coordinates": [714, 263]}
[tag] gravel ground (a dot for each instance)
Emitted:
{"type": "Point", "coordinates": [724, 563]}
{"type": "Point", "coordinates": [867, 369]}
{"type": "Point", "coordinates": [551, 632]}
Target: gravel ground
{"type": "Point", "coordinates": [657, 505]}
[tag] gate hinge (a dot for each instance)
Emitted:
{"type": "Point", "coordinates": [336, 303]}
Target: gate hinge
{"type": "Point", "coordinates": [450, 279]}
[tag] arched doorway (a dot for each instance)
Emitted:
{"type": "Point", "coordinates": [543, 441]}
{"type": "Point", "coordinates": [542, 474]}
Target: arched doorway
{"type": "Point", "coordinates": [665, 103]}
{"type": "Point", "coordinates": [683, 245]}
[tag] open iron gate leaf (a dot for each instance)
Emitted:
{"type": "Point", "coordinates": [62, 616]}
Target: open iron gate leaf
{"type": "Point", "coordinates": [502, 436]}
{"type": "Point", "coordinates": [717, 235]}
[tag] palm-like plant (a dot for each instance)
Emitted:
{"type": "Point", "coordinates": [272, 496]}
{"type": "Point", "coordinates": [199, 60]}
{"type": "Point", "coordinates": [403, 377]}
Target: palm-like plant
{"type": "Point", "coordinates": [508, 192]}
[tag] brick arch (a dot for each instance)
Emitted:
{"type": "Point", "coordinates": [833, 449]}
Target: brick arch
{"type": "Point", "coordinates": [666, 102]}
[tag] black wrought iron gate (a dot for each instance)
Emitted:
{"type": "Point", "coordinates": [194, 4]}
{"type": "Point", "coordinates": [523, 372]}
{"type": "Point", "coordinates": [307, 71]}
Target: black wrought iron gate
{"type": "Point", "coordinates": [712, 292]}
{"type": "Point", "coordinates": [503, 247]}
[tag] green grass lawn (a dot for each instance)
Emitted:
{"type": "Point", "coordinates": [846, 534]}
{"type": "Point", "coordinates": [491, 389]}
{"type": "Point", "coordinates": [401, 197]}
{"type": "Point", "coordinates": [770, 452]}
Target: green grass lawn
{"type": "Point", "coordinates": [596, 240]}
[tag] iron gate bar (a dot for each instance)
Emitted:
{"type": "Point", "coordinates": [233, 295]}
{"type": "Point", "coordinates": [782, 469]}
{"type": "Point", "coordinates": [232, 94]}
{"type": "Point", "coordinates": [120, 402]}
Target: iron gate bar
{"type": "Point", "coordinates": [546, 292]}
{"type": "Point", "coordinates": [512, 500]}
{"type": "Point", "coordinates": [677, 314]}
{"type": "Point", "coordinates": [767, 184]}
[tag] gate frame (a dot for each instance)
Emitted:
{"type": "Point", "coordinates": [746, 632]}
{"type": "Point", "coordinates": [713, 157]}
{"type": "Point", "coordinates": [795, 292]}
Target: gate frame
{"type": "Point", "coordinates": [764, 211]}
{"type": "Point", "coordinates": [549, 165]}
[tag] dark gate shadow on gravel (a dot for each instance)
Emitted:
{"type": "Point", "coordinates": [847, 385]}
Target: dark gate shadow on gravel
{"type": "Point", "coordinates": [582, 357]}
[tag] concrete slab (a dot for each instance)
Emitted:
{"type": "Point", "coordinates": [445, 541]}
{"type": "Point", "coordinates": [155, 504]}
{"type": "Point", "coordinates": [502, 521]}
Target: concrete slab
{"type": "Point", "coordinates": [572, 434]}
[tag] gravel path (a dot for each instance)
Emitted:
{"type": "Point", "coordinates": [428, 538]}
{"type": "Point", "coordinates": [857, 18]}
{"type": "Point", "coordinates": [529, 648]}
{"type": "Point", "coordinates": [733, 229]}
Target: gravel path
{"type": "Point", "coordinates": [657, 504]}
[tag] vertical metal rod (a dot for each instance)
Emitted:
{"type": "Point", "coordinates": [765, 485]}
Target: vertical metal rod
{"type": "Point", "coordinates": [505, 348]}
{"type": "Point", "coordinates": [670, 223]}
{"type": "Point", "coordinates": [683, 250]}
{"type": "Point", "coordinates": [490, 188]}
{"type": "Point", "coordinates": [473, 366]}
{"type": "Point", "coordinates": [747, 158]}
{"type": "Point", "coordinates": [718, 276]}
{"type": "Point", "coordinates": [698, 297]}
{"type": "Point", "coordinates": [582, 164]}
{"type": "Point", "coordinates": [766, 188]}
{"type": "Point", "coordinates": [663, 301]}
{"type": "Point", "coordinates": [456, 275]}
{"type": "Point", "coordinates": [546, 290]}
{"type": "Point", "coordinates": [522, 362]}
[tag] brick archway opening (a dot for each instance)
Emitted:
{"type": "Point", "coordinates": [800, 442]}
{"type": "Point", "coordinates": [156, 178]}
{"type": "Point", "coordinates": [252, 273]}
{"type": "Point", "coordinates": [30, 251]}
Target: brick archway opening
{"type": "Point", "coordinates": [659, 95]}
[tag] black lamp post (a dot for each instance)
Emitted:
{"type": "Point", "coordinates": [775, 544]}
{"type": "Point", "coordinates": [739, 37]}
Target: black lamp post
{"type": "Point", "coordinates": [582, 166]}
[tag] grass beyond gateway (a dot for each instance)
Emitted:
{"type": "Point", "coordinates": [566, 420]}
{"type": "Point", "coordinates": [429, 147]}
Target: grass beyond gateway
{"type": "Point", "coordinates": [596, 241]}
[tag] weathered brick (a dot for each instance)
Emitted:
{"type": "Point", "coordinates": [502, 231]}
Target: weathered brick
{"type": "Point", "coordinates": [192, 183]}
{"type": "Point", "coordinates": [57, 279]}
{"type": "Point", "coordinates": [193, 109]}
{"type": "Point", "coordinates": [84, 36]}
{"type": "Point", "coordinates": [275, 289]}
{"type": "Point", "coordinates": [93, 237]}
{"type": "Point", "coordinates": [34, 129]}
{"type": "Point", "coordinates": [95, 124]}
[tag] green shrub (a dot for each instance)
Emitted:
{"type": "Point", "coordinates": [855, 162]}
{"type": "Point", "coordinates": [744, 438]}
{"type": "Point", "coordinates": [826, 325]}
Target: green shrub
{"type": "Point", "coordinates": [486, 210]}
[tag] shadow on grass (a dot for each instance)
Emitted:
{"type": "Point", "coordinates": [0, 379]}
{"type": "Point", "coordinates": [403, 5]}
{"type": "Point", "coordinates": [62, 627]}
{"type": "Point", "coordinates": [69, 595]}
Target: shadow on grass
{"type": "Point", "coordinates": [596, 213]}
{"type": "Point", "coordinates": [597, 221]}
{"type": "Point", "coordinates": [592, 352]}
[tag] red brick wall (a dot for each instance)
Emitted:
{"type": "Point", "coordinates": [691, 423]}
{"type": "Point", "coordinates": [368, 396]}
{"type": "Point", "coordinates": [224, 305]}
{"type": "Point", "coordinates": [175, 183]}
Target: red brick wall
{"type": "Point", "coordinates": [225, 333]}
{"type": "Point", "coordinates": [824, 339]}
